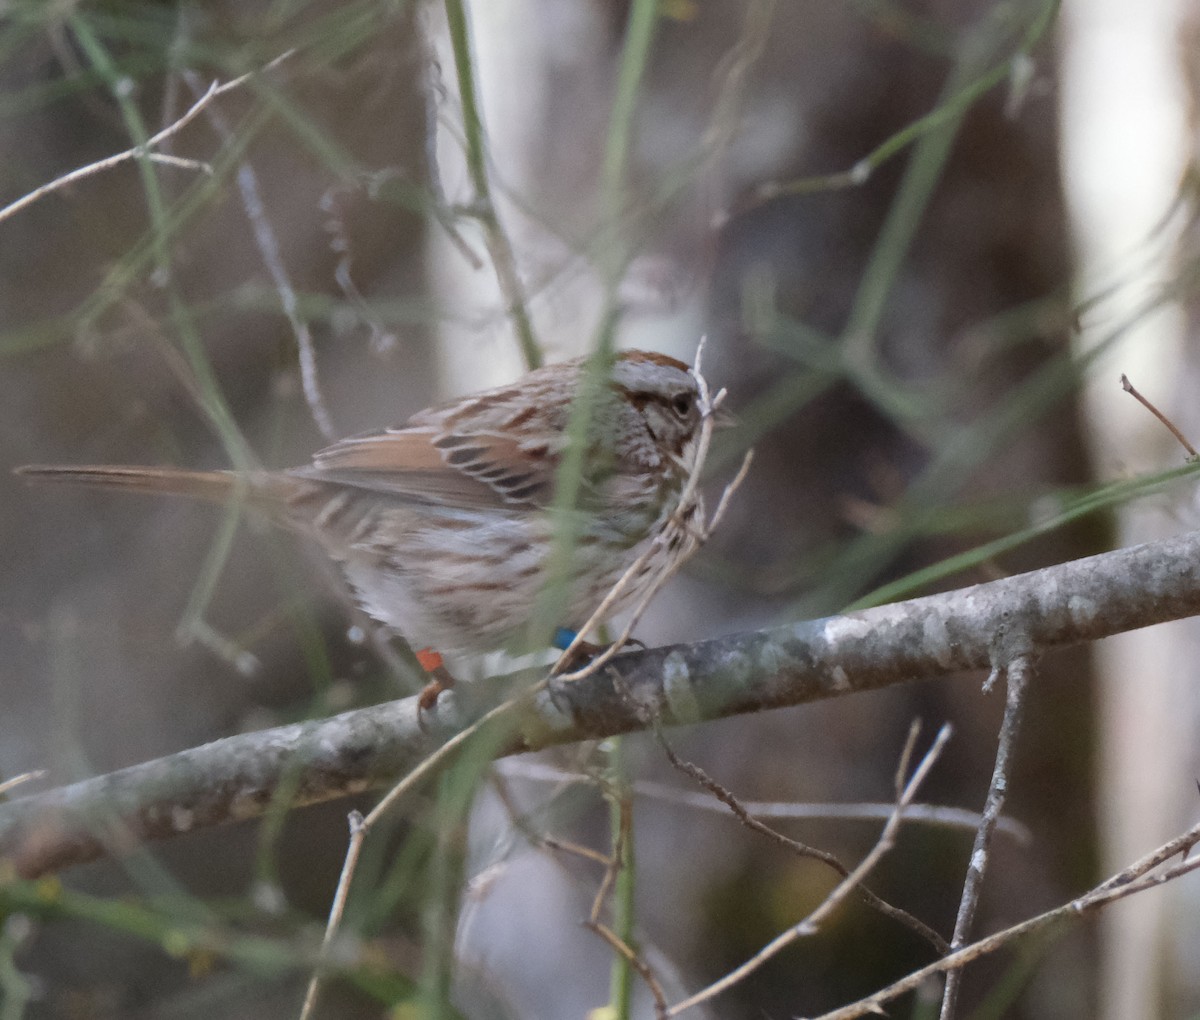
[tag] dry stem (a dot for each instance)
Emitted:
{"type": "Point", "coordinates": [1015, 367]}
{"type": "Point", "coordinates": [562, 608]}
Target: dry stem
{"type": "Point", "coordinates": [358, 833]}
{"type": "Point", "coordinates": [1018, 674]}
{"type": "Point", "coordinates": [843, 889]}
{"type": "Point", "coordinates": [1131, 880]}
{"type": "Point", "coordinates": [873, 900]}
{"type": "Point", "coordinates": [24, 777]}
{"type": "Point", "coordinates": [636, 962]}
{"type": "Point", "coordinates": [268, 246]}
{"type": "Point", "coordinates": [1132, 390]}
{"type": "Point", "coordinates": [859, 811]}
{"type": "Point", "coordinates": [360, 829]}
{"type": "Point", "coordinates": [145, 150]}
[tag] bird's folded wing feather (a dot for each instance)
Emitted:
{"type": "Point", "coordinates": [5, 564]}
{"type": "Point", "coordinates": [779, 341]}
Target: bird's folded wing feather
{"type": "Point", "coordinates": [456, 468]}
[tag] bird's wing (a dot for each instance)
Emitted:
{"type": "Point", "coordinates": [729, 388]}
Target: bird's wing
{"type": "Point", "coordinates": [452, 466]}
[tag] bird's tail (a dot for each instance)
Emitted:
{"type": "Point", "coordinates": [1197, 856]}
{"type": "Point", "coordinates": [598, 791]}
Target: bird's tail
{"type": "Point", "coordinates": [210, 486]}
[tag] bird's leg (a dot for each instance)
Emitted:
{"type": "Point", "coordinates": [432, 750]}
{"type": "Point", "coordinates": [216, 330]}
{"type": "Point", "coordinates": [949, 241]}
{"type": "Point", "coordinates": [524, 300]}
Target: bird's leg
{"type": "Point", "coordinates": [441, 679]}
{"type": "Point", "coordinates": [584, 652]}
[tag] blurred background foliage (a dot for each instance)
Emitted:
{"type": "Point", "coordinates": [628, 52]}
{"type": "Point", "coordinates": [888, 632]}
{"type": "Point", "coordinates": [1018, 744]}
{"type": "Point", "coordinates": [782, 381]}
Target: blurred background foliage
{"type": "Point", "coordinates": [888, 297]}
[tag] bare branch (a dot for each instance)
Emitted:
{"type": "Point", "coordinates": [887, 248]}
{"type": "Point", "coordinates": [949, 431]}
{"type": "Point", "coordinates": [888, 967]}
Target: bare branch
{"type": "Point", "coordinates": [483, 207]}
{"type": "Point", "coordinates": [268, 247]}
{"type": "Point", "coordinates": [141, 151]}
{"type": "Point", "coordinates": [358, 834]}
{"type": "Point", "coordinates": [812, 923]}
{"type": "Point", "coordinates": [424, 767]}
{"type": "Point", "coordinates": [24, 777]}
{"type": "Point", "coordinates": [1171, 427]}
{"type": "Point", "coordinates": [872, 899]}
{"type": "Point", "coordinates": [635, 961]}
{"type": "Point", "coordinates": [940, 815]}
{"type": "Point", "coordinates": [235, 778]}
{"type": "Point", "coordinates": [1018, 673]}
{"type": "Point", "coordinates": [1134, 879]}
{"type": "Point", "coordinates": [382, 337]}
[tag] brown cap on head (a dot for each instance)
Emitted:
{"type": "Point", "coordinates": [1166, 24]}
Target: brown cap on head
{"type": "Point", "coordinates": [654, 358]}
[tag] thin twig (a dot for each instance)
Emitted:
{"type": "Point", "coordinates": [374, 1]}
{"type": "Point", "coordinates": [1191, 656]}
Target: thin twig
{"type": "Point", "coordinates": [1128, 882]}
{"type": "Point", "coordinates": [861, 811]}
{"type": "Point", "coordinates": [940, 815]}
{"type": "Point", "coordinates": [427, 766]}
{"type": "Point", "coordinates": [549, 846]}
{"type": "Point", "coordinates": [358, 833]}
{"type": "Point", "coordinates": [905, 759]}
{"type": "Point", "coordinates": [887, 839]}
{"type": "Point", "coordinates": [1180, 846]}
{"type": "Point", "coordinates": [636, 962]}
{"type": "Point", "coordinates": [831, 902]}
{"type": "Point", "coordinates": [951, 107]}
{"type": "Point", "coordinates": [618, 880]}
{"type": "Point", "coordinates": [733, 71]}
{"type": "Point", "coordinates": [268, 247]}
{"type": "Point", "coordinates": [504, 259]}
{"type": "Point", "coordinates": [576, 849]}
{"type": "Point", "coordinates": [691, 546]}
{"type": "Point", "coordinates": [142, 151]}
{"type": "Point", "coordinates": [1132, 390]}
{"type": "Point", "coordinates": [382, 338]}
{"type": "Point", "coordinates": [434, 91]}
{"type": "Point", "coordinates": [611, 864]}
{"type": "Point", "coordinates": [177, 55]}
{"type": "Point", "coordinates": [1018, 674]}
{"type": "Point", "coordinates": [830, 860]}
{"type": "Point", "coordinates": [622, 907]}
{"type": "Point", "coordinates": [612, 867]}
{"type": "Point", "coordinates": [24, 777]}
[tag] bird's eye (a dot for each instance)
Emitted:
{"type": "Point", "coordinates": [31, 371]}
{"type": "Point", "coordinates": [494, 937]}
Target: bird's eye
{"type": "Point", "coordinates": [682, 404]}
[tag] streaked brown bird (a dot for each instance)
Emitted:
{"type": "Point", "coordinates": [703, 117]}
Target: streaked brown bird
{"type": "Point", "coordinates": [443, 526]}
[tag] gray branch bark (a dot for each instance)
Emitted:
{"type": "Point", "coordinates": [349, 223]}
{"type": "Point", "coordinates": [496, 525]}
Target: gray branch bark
{"type": "Point", "coordinates": [978, 627]}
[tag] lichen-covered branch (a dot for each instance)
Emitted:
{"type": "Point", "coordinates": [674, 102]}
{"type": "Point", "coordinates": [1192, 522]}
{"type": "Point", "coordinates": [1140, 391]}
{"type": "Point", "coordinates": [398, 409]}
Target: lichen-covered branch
{"type": "Point", "coordinates": [978, 627]}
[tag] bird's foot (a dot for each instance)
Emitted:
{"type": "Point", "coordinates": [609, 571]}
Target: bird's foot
{"type": "Point", "coordinates": [440, 680]}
